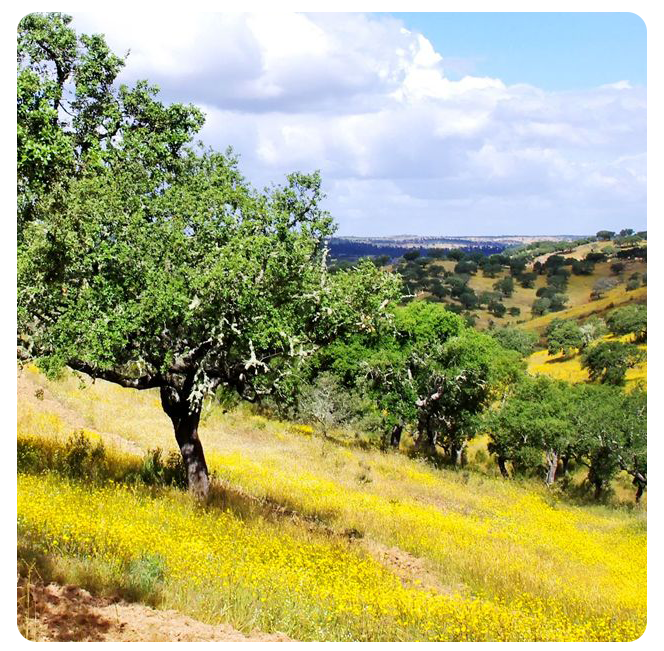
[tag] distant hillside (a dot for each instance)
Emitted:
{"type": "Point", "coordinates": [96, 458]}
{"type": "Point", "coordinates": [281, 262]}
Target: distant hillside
{"type": "Point", "coordinates": [348, 248]}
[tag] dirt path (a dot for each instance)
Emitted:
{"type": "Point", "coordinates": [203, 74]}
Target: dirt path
{"type": "Point", "coordinates": [55, 613]}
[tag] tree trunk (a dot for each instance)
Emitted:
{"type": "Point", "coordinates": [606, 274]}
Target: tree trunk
{"type": "Point", "coordinates": [639, 492]}
{"type": "Point", "coordinates": [423, 433]}
{"type": "Point", "coordinates": [395, 438]}
{"type": "Point", "coordinates": [565, 464]}
{"type": "Point", "coordinates": [597, 483]}
{"type": "Point", "coordinates": [640, 487]}
{"type": "Point", "coordinates": [552, 460]}
{"type": "Point", "coordinates": [457, 453]}
{"type": "Point", "coordinates": [185, 421]}
{"type": "Point", "coordinates": [503, 467]}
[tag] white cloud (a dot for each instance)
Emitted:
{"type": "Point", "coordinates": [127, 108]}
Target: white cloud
{"type": "Point", "coordinates": [401, 146]}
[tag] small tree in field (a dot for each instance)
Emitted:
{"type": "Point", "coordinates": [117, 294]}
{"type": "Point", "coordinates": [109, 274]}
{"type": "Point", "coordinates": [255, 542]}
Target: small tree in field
{"type": "Point", "coordinates": [563, 335]}
{"type": "Point", "coordinates": [325, 403]}
{"type": "Point", "coordinates": [631, 319]}
{"type": "Point", "coordinates": [151, 264]}
{"type": "Point", "coordinates": [608, 361]}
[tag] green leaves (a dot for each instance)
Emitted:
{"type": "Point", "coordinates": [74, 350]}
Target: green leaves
{"type": "Point", "coordinates": [608, 361]}
{"type": "Point", "coordinates": [564, 335]}
{"type": "Point", "coordinates": [151, 260]}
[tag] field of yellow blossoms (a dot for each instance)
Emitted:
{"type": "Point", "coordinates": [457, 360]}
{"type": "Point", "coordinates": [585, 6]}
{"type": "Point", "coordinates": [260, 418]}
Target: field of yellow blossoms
{"type": "Point", "coordinates": [318, 540]}
{"type": "Point", "coordinates": [569, 368]}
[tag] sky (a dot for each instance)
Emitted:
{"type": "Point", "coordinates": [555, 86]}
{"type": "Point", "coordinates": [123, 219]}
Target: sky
{"type": "Point", "coordinates": [427, 124]}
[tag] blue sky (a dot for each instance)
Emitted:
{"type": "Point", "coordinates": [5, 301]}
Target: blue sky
{"type": "Point", "coordinates": [554, 51]}
{"type": "Point", "coordinates": [431, 124]}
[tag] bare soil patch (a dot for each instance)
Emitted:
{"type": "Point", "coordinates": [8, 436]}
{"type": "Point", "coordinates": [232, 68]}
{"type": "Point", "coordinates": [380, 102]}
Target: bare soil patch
{"type": "Point", "coordinates": [55, 613]}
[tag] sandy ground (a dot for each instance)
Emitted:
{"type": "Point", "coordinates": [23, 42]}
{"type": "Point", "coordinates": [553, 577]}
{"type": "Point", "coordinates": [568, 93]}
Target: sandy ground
{"type": "Point", "coordinates": [54, 613]}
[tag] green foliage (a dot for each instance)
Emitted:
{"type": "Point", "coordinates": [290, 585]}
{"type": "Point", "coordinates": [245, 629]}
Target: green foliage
{"type": "Point", "coordinates": [60, 73]}
{"type": "Point", "coordinates": [608, 361]}
{"type": "Point", "coordinates": [527, 280]}
{"type": "Point", "coordinates": [411, 255]}
{"type": "Point", "coordinates": [82, 459]}
{"type": "Point", "coordinates": [545, 423]}
{"type": "Point", "coordinates": [540, 306]}
{"type": "Point", "coordinates": [605, 235]}
{"type": "Point", "coordinates": [633, 283]}
{"type": "Point", "coordinates": [145, 579]}
{"type": "Point", "coordinates": [531, 423]}
{"type": "Point", "coordinates": [617, 268]}
{"type": "Point", "coordinates": [522, 341]}
{"type": "Point", "coordinates": [497, 308]}
{"type": "Point", "coordinates": [163, 267]}
{"type": "Point", "coordinates": [149, 262]}
{"type": "Point", "coordinates": [465, 267]}
{"type": "Point", "coordinates": [563, 335]}
{"type": "Point", "coordinates": [426, 368]}
{"type": "Point", "coordinates": [612, 429]}
{"type": "Point", "coordinates": [631, 319]}
{"type": "Point", "coordinates": [505, 286]}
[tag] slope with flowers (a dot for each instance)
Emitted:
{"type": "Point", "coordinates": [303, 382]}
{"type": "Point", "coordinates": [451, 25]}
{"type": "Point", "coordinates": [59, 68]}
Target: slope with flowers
{"type": "Point", "coordinates": [313, 539]}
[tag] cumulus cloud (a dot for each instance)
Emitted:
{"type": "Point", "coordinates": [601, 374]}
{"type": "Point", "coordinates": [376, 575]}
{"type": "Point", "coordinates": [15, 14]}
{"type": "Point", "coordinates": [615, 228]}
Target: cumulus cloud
{"type": "Point", "coordinates": [401, 146]}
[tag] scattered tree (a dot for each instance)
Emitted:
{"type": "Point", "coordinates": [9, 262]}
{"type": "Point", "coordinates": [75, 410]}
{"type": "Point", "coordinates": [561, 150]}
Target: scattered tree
{"type": "Point", "coordinates": [608, 361]}
{"type": "Point", "coordinates": [631, 319]}
{"type": "Point", "coordinates": [563, 335]}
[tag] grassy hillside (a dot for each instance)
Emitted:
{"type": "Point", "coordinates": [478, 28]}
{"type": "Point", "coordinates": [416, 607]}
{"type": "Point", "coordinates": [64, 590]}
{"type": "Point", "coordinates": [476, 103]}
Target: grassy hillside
{"type": "Point", "coordinates": [614, 298]}
{"type": "Point", "coordinates": [317, 540]}
{"type": "Point", "coordinates": [578, 290]}
{"type": "Point", "coordinates": [569, 368]}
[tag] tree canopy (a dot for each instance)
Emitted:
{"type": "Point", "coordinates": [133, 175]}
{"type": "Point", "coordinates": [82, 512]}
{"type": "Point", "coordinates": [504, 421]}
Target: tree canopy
{"type": "Point", "coordinates": [148, 262]}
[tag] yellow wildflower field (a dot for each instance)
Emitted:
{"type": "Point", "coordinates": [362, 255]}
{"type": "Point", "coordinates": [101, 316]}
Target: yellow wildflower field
{"type": "Point", "coordinates": [569, 368]}
{"type": "Point", "coordinates": [501, 560]}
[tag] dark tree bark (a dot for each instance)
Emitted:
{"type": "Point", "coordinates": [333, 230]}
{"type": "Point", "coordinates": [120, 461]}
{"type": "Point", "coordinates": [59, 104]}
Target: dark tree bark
{"type": "Point", "coordinates": [426, 436]}
{"type": "Point", "coordinates": [597, 482]}
{"type": "Point", "coordinates": [503, 468]}
{"type": "Point", "coordinates": [565, 464]}
{"type": "Point", "coordinates": [639, 491]}
{"type": "Point", "coordinates": [395, 437]}
{"type": "Point", "coordinates": [640, 483]}
{"type": "Point", "coordinates": [185, 419]}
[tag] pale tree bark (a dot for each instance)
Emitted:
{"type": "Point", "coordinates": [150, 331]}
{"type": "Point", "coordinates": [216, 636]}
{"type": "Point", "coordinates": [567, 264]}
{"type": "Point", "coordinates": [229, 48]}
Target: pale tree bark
{"type": "Point", "coordinates": [552, 463]}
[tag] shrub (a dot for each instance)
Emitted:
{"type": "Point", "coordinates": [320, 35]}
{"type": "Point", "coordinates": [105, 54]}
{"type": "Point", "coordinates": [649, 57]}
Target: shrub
{"type": "Point", "coordinates": [81, 459]}
{"type": "Point", "coordinates": [154, 471]}
{"type": "Point", "coordinates": [617, 268]}
{"type": "Point", "coordinates": [522, 341]}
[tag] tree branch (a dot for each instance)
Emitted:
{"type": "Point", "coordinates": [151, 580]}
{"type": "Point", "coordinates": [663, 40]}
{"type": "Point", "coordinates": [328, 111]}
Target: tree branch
{"type": "Point", "coordinates": [143, 382]}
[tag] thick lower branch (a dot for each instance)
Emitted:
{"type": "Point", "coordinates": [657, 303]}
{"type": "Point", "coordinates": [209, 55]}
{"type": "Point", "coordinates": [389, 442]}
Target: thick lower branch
{"type": "Point", "coordinates": [143, 382]}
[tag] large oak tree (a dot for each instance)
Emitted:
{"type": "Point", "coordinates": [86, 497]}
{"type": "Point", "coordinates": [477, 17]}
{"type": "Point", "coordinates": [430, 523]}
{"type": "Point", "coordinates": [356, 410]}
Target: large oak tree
{"type": "Point", "coordinates": [146, 261]}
